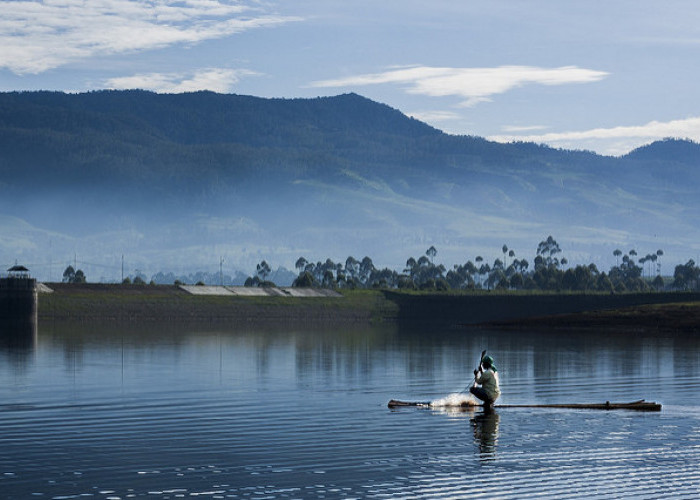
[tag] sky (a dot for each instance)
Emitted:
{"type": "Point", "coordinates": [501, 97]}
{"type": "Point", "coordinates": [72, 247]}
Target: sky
{"type": "Point", "coordinates": [606, 76]}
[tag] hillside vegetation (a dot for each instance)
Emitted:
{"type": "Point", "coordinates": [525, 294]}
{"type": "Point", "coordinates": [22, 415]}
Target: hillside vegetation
{"type": "Point", "coordinates": [176, 181]}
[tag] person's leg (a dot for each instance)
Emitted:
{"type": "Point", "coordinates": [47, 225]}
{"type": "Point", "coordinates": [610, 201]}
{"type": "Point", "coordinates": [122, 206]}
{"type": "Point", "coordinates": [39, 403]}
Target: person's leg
{"type": "Point", "coordinates": [483, 396]}
{"type": "Point", "coordinates": [479, 393]}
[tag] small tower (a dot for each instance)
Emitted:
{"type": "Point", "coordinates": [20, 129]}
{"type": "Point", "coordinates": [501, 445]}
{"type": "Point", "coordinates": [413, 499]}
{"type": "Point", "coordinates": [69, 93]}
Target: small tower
{"type": "Point", "coordinates": [18, 299]}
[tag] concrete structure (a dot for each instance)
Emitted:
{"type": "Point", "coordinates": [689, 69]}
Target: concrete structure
{"type": "Point", "coordinates": [244, 291]}
{"type": "Point", "coordinates": [18, 304]}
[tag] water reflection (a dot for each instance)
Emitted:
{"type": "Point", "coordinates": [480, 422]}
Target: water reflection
{"type": "Point", "coordinates": [18, 342]}
{"type": "Point", "coordinates": [485, 427]}
{"type": "Point", "coordinates": [190, 410]}
{"type": "Point", "coordinates": [534, 367]}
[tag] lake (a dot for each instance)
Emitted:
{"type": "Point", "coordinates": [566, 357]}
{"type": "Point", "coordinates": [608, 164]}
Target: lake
{"type": "Point", "coordinates": [116, 412]}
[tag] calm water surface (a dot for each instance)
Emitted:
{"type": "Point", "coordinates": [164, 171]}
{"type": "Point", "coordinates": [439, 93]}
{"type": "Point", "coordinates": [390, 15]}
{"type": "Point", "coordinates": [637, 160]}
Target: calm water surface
{"type": "Point", "coordinates": [154, 412]}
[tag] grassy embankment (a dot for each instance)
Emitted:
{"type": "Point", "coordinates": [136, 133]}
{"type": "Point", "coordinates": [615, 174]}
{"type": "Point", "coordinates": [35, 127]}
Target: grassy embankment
{"type": "Point", "coordinates": [636, 311]}
{"type": "Point", "coordinates": [99, 302]}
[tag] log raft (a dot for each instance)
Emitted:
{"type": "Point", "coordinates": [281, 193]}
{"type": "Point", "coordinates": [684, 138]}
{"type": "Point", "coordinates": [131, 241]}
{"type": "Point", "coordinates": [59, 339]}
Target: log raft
{"type": "Point", "coordinates": [640, 405]}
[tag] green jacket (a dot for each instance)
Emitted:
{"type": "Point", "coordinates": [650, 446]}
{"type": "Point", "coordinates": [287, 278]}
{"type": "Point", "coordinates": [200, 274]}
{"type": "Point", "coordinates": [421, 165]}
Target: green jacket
{"type": "Point", "coordinates": [488, 380]}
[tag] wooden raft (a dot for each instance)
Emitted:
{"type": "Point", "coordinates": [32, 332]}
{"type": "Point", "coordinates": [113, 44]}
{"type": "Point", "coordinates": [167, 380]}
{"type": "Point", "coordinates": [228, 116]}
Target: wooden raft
{"type": "Point", "coordinates": [640, 405]}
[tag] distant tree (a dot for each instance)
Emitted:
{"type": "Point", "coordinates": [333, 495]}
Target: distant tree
{"type": "Point", "coordinates": [410, 266]}
{"type": "Point", "coordinates": [511, 254]}
{"type": "Point", "coordinates": [301, 264]}
{"type": "Point", "coordinates": [603, 283]}
{"type": "Point", "coordinates": [643, 261]}
{"type": "Point", "coordinates": [72, 276]}
{"type": "Point", "coordinates": [547, 251]}
{"type": "Point", "coordinates": [686, 276]}
{"type": "Point", "coordinates": [263, 270]}
{"type": "Point", "coordinates": [304, 280]}
{"type": "Point", "coordinates": [431, 252]}
{"type": "Point", "coordinates": [252, 281]}
{"type": "Point", "coordinates": [126, 281]}
{"type": "Point", "coordinates": [442, 285]}
{"type": "Point", "coordinates": [366, 268]}
{"type": "Point", "coordinates": [352, 268]}
{"type": "Point", "coordinates": [653, 257]}
{"type": "Point", "coordinates": [406, 283]}
{"type": "Point", "coordinates": [69, 275]}
{"type": "Point", "coordinates": [328, 279]}
{"type": "Point", "coordinates": [658, 283]}
{"type": "Point", "coordinates": [517, 281]}
{"type": "Point", "coordinates": [617, 254]}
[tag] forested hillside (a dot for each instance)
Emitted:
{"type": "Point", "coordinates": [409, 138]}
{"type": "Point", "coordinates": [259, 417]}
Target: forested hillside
{"type": "Point", "coordinates": [333, 175]}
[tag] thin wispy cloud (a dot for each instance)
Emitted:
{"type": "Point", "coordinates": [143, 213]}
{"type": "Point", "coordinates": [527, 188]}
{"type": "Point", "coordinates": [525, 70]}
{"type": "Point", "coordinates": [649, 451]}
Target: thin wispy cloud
{"type": "Point", "coordinates": [435, 116]}
{"type": "Point", "coordinates": [220, 80]}
{"type": "Point", "coordinates": [628, 137]}
{"type": "Point", "coordinates": [474, 85]}
{"type": "Point", "coordinates": [524, 128]}
{"type": "Point", "coordinates": [37, 36]}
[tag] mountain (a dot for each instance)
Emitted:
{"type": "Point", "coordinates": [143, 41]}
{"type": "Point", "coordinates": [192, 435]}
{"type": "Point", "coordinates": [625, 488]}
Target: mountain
{"type": "Point", "coordinates": [176, 182]}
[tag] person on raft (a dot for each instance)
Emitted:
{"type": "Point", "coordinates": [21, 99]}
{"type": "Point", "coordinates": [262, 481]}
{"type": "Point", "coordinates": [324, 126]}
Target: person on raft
{"type": "Point", "coordinates": [485, 385]}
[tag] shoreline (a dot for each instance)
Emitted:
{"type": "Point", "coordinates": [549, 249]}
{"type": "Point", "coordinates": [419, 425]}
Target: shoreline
{"type": "Point", "coordinates": [682, 317]}
{"type": "Point", "coordinates": [506, 310]}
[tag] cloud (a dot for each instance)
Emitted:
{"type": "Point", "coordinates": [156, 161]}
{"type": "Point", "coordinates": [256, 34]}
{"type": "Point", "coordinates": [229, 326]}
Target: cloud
{"type": "Point", "coordinates": [37, 36]}
{"type": "Point", "coordinates": [215, 79]}
{"type": "Point", "coordinates": [622, 139]}
{"type": "Point", "coordinates": [474, 85]}
{"type": "Point", "coordinates": [526, 128]}
{"type": "Point", "coordinates": [435, 116]}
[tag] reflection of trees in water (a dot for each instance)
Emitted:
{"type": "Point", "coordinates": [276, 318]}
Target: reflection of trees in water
{"type": "Point", "coordinates": [531, 363]}
{"type": "Point", "coordinates": [485, 426]}
{"type": "Point", "coordinates": [344, 355]}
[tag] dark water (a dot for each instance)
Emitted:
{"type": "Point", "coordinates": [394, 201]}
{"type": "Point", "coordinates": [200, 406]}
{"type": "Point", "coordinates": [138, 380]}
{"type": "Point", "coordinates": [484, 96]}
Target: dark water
{"type": "Point", "coordinates": [109, 412]}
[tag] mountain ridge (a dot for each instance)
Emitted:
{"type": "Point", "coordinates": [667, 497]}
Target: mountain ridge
{"type": "Point", "coordinates": [331, 175]}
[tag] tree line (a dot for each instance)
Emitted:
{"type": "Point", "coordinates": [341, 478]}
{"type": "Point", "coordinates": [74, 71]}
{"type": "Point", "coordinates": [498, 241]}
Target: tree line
{"type": "Point", "coordinates": [548, 271]}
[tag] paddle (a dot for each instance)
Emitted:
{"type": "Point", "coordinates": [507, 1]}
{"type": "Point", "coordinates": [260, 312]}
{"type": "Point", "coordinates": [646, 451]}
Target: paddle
{"type": "Point", "coordinates": [483, 353]}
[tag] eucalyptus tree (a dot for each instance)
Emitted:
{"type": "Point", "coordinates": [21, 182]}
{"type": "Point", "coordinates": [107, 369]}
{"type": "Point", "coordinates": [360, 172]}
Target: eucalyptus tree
{"type": "Point", "coordinates": [431, 252]}
{"type": "Point", "coordinates": [547, 251]}
{"type": "Point", "coordinates": [686, 276]}
{"type": "Point", "coordinates": [653, 257]}
{"type": "Point", "coordinates": [479, 259]}
{"type": "Point", "coordinates": [410, 266]}
{"type": "Point", "coordinates": [643, 261]}
{"type": "Point", "coordinates": [301, 264]}
{"type": "Point", "coordinates": [617, 254]}
{"type": "Point", "coordinates": [263, 270]}
{"type": "Point", "coordinates": [658, 283]}
{"type": "Point", "coordinates": [352, 268]}
{"type": "Point", "coordinates": [366, 268]}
